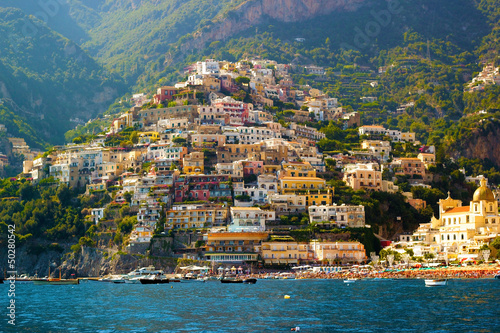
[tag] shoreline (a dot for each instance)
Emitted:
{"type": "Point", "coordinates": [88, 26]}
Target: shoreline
{"type": "Point", "coordinates": [413, 274]}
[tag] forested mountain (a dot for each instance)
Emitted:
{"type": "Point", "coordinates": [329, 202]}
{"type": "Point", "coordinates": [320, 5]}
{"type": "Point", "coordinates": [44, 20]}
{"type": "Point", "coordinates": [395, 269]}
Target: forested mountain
{"type": "Point", "coordinates": [46, 80]}
{"type": "Point", "coordinates": [432, 47]}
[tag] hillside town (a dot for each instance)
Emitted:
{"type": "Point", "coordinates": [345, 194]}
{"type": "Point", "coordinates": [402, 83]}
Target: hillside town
{"type": "Point", "coordinates": [211, 156]}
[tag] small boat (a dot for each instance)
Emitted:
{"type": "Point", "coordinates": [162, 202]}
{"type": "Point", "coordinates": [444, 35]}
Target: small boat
{"type": "Point", "coordinates": [135, 276]}
{"type": "Point", "coordinates": [53, 281]}
{"type": "Point", "coordinates": [113, 279]}
{"type": "Point", "coordinates": [154, 279]}
{"type": "Point", "coordinates": [231, 281]}
{"type": "Point", "coordinates": [250, 281]}
{"type": "Point", "coordinates": [191, 279]}
{"type": "Point", "coordinates": [350, 280]}
{"type": "Point", "coordinates": [434, 283]}
{"type": "Point", "coordinates": [497, 276]}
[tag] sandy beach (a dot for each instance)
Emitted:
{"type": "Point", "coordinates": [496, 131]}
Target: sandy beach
{"type": "Point", "coordinates": [469, 272]}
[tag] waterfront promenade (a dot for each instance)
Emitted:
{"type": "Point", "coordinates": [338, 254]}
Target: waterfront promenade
{"type": "Point", "coordinates": [471, 272]}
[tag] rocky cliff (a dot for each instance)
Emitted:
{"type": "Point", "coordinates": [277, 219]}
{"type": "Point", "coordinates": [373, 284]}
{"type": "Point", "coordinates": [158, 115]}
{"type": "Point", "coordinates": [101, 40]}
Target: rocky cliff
{"type": "Point", "coordinates": [482, 143]}
{"type": "Point", "coordinates": [254, 12]}
{"type": "Point", "coordinates": [36, 258]}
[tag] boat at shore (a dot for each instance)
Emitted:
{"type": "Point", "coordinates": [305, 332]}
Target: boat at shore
{"type": "Point", "coordinates": [250, 281]}
{"type": "Point", "coordinates": [154, 279]}
{"type": "Point", "coordinates": [231, 281]}
{"type": "Point", "coordinates": [55, 281]}
{"type": "Point", "coordinates": [184, 280]}
{"type": "Point", "coordinates": [236, 280]}
{"type": "Point", "coordinates": [435, 283]}
{"type": "Point", "coordinates": [133, 277]}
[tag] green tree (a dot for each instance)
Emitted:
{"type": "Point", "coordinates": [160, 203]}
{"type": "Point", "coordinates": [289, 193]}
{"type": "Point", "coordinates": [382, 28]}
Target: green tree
{"type": "Point", "coordinates": [179, 140]}
{"type": "Point", "coordinates": [64, 194]}
{"type": "Point", "coordinates": [242, 80]}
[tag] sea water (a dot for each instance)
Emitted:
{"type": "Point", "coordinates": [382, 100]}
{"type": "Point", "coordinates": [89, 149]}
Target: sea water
{"type": "Point", "coordinates": [314, 306]}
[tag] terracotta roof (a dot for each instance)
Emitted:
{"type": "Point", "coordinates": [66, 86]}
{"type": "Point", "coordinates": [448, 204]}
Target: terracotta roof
{"type": "Point", "coordinates": [245, 208]}
{"type": "Point", "coordinates": [462, 209]}
{"type": "Point", "coordinates": [301, 178]}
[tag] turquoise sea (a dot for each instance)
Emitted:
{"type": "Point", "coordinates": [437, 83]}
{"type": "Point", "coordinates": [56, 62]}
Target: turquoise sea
{"type": "Point", "coordinates": [314, 306]}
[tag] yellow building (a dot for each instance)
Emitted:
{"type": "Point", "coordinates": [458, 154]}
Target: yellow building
{"type": "Point", "coordinates": [427, 159]}
{"type": "Point", "coordinates": [313, 188]}
{"type": "Point", "coordinates": [338, 251]}
{"type": "Point", "coordinates": [196, 216]}
{"type": "Point", "coordinates": [271, 168]}
{"type": "Point", "coordinates": [237, 247]}
{"type": "Point", "coordinates": [124, 121]}
{"type": "Point", "coordinates": [148, 137]}
{"type": "Point", "coordinates": [235, 152]}
{"type": "Point", "coordinates": [363, 176]}
{"type": "Point", "coordinates": [291, 252]}
{"type": "Point", "coordinates": [229, 67]}
{"type": "Point", "coordinates": [286, 252]}
{"type": "Point", "coordinates": [463, 229]}
{"type": "Point", "coordinates": [193, 163]}
{"type": "Point", "coordinates": [298, 169]}
{"type": "Point", "coordinates": [288, 184]}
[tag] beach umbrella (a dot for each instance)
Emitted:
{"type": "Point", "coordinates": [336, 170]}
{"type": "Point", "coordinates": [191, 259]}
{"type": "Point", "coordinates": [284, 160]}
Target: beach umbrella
{"type": "Point", "coordinates": [233, 268]}
{"type": "Point", "coordinates": [220, 268]}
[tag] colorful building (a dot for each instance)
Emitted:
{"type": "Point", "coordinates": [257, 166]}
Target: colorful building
{"type": "Point", "coordinates": [196, 216]}
{"type": "Point", "coordinates": [193, 163]}
{"type": "Point", "coordinates": [234, 247]}
{"type": "Point", "coordinates": [462, 229]}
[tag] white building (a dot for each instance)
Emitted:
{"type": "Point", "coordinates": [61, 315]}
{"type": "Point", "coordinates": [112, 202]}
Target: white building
{"type": "Point", "coordinates": [208, 66]}
{"type": "Point", "coordinates": [343, 215]}
{"type": "Point", "coordinates": [249, 219]}
{"type": "Point", "coordinates": [250, 135]}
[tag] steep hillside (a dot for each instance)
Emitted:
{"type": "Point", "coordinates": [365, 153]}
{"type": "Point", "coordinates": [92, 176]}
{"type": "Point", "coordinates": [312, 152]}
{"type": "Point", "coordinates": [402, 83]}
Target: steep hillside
{"type": "Point", "coordinates": [337, 32]}
{"type": "Point", "coordinates": [46, 79]}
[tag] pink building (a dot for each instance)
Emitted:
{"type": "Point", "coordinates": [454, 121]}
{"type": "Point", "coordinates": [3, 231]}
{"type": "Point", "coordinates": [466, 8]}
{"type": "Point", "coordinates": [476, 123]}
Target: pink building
{"type": "Point", "coordinates": [252, 168]}
{"type": "Point", "coordinates": [238, 111]}
{"type": "Point", "coordinates": [163, 94]}
{"type": "Point", "coordinates": [228, 84]}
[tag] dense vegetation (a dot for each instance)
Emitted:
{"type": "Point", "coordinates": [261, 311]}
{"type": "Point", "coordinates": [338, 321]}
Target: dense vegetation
{"type": "Point", "coordinates": [46, 79]}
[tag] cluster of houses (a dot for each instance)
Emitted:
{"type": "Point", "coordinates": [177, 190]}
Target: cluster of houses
{"type": "Point", "coordinates": [488, 76]}
{"type": "Point", "coordinates": [229, 170]}
{"type": "Point", "coordinates": [17, 147]}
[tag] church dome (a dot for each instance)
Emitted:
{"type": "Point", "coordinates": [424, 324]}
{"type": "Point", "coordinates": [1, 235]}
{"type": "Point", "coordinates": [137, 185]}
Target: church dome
{"type": "Point", "coordinates": [483, 193]}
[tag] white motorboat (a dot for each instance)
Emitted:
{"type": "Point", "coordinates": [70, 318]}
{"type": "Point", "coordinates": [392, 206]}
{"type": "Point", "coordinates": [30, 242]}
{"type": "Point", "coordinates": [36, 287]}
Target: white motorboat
{"type": "Point", "coordinates": [350, 280]}
{"type": "Point", "coordinates": [434, 283]}
{"type": "Point", "coordinates": [135, 276]}
{"type": "Point", "coordinates": [134, 280]}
